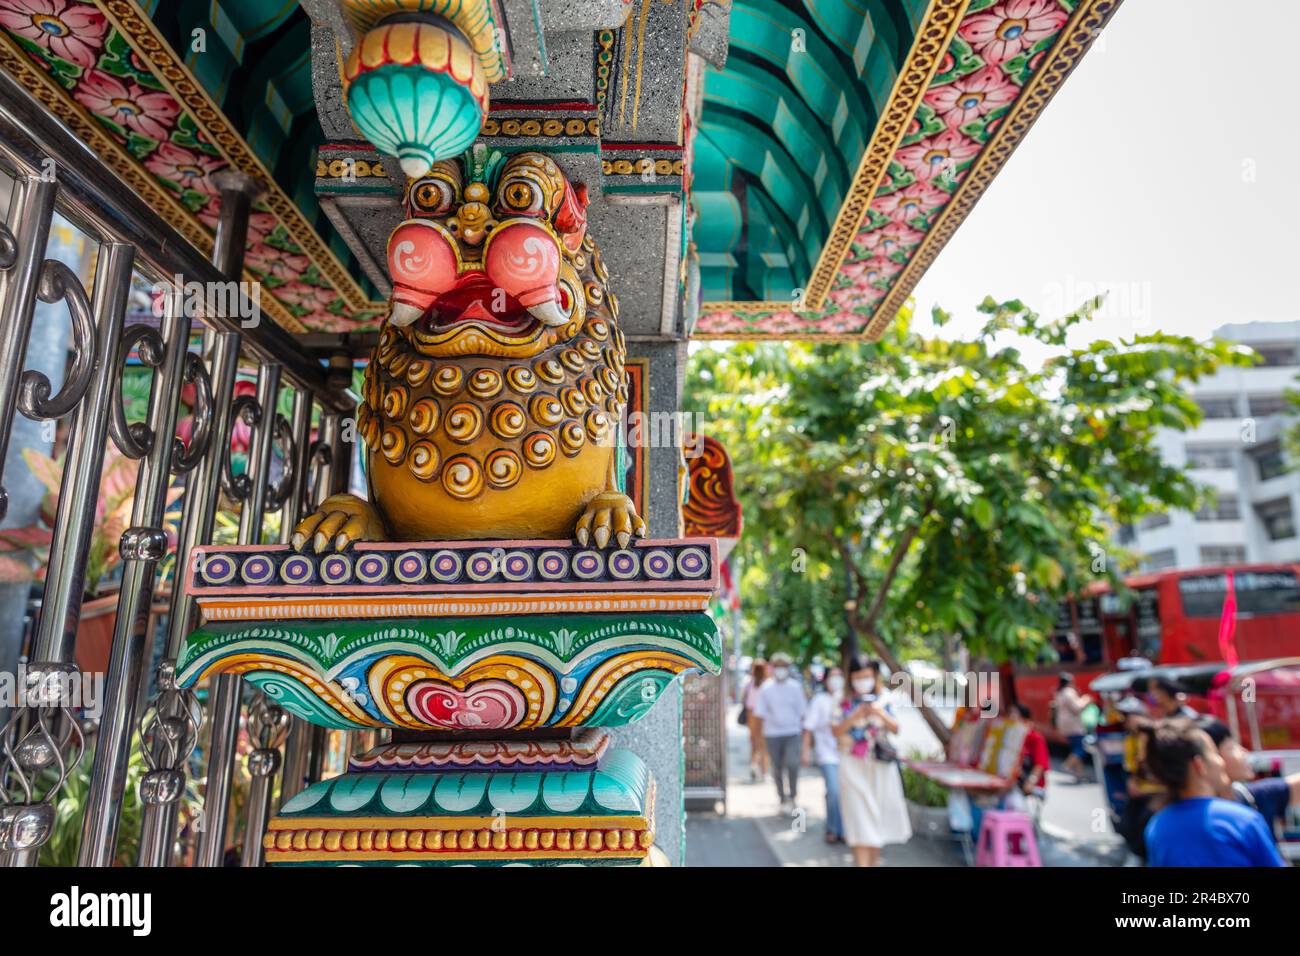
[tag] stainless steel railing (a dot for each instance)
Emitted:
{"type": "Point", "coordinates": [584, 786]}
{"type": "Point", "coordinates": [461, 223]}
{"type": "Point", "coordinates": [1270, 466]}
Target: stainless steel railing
{"type": "Point", "coordinates": [42, 741]}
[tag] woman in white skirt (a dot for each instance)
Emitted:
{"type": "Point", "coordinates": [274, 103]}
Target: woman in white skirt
{"type": "Point", "coordinates": [872, 807]}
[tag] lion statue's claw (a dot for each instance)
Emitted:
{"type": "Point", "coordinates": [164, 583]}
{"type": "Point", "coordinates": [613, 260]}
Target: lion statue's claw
{"type": "Point", "coordinates": [340, 521]}
{"type": "Point", "coordinates": [610, 517]}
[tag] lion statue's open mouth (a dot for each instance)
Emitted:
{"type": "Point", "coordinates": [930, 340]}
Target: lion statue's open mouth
{"type": "Point", "coordinates": [501, 266]}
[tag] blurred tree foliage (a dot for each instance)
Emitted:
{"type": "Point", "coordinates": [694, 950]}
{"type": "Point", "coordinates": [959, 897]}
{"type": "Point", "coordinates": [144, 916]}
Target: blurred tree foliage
{"type": "Point", "coordinates": [899, 491]}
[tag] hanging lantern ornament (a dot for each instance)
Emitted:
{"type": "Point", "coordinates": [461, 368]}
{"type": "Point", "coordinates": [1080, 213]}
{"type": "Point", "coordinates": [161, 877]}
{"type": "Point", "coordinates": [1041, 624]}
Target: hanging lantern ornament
{"type": "Point", "coordinates": [416, 90]}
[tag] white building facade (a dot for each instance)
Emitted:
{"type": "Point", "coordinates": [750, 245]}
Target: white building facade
{"type": "Point", "coordinates": [1239, 451]}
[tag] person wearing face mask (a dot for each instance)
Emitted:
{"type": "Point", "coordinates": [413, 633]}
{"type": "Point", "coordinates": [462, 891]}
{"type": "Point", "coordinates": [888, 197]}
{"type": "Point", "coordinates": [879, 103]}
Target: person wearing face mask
{"type": "Point", "coordinates": [819, 742]}
{"type": "Point", "coordinates": [781, 705]}
{"type": "Point", "coordinates": [872, 806]}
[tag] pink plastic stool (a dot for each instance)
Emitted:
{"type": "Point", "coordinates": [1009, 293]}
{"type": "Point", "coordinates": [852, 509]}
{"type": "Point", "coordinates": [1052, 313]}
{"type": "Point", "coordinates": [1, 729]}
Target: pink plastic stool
{"type": "Point", "coordinates": [1007, 839]}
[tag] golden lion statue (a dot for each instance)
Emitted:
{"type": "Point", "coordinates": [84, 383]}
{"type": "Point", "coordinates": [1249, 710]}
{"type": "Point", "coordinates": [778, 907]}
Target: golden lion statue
{"type": "Point", "coordinates": [493, 400]}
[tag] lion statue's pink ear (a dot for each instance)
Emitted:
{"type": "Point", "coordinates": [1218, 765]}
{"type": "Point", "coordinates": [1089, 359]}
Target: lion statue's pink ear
{"type": "Point", "coordinates": [571, 217]}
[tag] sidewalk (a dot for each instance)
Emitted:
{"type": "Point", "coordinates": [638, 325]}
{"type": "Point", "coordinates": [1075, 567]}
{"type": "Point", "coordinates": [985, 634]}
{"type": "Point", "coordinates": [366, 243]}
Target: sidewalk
{"type": "Point", "coordinates": [755, 833]}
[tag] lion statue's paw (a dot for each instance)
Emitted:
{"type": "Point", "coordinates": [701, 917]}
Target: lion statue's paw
{"type": "Point", "coordinates": [610, 516]}
{"type": "Point", "coordinates": [340, 521]}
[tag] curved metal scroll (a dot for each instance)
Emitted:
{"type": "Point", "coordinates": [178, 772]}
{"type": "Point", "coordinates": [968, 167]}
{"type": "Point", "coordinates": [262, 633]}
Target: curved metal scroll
{"type": "Point", "coordinates": [196, 374]}
{"type": "Point", "coordinates": [278, 493]}
{"type": "Point", "coordinates": [239, 487]}
{"type": "Point", "coordinates": [320, 457]}
{"type": "Point", "coordinates": [34, 401]}
{"type": "Point", "coordinates": [134, 439]}
{"type": "Point", "coordinates": [8, 248]}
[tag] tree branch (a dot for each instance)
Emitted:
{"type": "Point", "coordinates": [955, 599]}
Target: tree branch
{"type": "Point", "coordinates": [896, 559]}
{"type": "Point", "coordinates": [866, 624]}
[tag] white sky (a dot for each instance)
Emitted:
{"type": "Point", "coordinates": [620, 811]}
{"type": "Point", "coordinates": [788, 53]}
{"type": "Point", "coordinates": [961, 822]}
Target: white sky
{"type": "Point", "coordinates": [1167, 168]}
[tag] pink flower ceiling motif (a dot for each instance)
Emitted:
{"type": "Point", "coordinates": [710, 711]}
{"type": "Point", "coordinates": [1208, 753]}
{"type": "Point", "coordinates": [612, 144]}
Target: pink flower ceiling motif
{"type": "Point", "coordinates": [841, 323]}
{"type": "Point", "coordinates": [891, 238]}
{"type": "Point", "coordinates": [970, 97]}
{"type": "Point", "coordinates": [275, 263]}
{"type": "Point", "coordinates": [905, 205]}
{"type": "Point", "coordinates": [186, 168]}
{"type": "Point", "coordinates": [1011, 27]}
{"type": "Point", "coordinates": [308, 296]}
{"type": "Point", "coordinates": [938, 155]}
{"type": "Point", "coordinates": [70, 30]}
{"type": "Point", "coordinates": [727, 322]}
{"type": "Point", "coordinates": [867, 271]}
{"type": "Point", "coordinates": [149, 113]}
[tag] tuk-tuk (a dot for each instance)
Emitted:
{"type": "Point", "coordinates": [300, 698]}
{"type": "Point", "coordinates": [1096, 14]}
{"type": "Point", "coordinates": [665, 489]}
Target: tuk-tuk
{"type": "Point", "coordinates": [1261, 701]}
{"type": "Point", "coordinates": [1106, 743]}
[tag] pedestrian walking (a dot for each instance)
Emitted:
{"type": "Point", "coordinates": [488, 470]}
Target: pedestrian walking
{"type": "Point", "coordinates": [872, 807]}
{"type": "Point", "coordinates": [1034, 761]}
{"type": "Point", "coordinates": [781, 705]}
{"type": "Point", "coordinates": [1070, 705]}
{"type": "Point", "coordinates": [758, 760]}
{"type": "Point", "coordinates": [819, 744]}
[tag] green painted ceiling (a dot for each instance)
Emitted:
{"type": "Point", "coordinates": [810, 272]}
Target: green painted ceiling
{"type": "Point", "coordinates": [253, 58]}
{"type": "Point", "coordinates": [783, 130]}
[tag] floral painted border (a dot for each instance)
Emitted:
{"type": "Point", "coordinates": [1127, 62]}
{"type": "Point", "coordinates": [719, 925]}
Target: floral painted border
{"type": "Point", "coordinates": [81, 50]}
{"type": "Point", "coordinates": [1006, 60]}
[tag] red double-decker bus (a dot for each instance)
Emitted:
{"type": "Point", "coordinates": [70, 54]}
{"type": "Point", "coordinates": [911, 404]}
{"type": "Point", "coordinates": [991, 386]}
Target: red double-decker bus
{"type": "Point", "coordinates": [1169, 617]}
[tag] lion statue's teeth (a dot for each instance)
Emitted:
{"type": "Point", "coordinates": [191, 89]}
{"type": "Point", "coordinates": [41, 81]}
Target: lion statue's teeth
{"type": "Point", "coordinates": [403, 315]}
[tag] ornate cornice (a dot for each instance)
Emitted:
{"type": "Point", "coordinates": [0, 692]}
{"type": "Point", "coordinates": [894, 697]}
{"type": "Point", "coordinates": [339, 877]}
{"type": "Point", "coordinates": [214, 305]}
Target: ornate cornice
{"type": "Point", "coordinates": [933, 37]}
{"type": "Point", "coordinates": [73, 115]}
{"type": "Point", "coordinates": [127, 17]}
{"type": "Point", "coordinates": [1084, 26]}
{"type": "Point", "coordinates": [837, 305]}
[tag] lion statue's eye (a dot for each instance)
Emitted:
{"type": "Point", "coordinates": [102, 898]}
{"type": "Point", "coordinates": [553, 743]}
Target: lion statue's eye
{"type": "Point", "coordinates": [433, 196]}
{"type": "Point", "coordinates": [520, 197]}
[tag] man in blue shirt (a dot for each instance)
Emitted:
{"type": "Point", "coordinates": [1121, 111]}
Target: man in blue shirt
{"type": "Point", "coordinates": [1200, 828]}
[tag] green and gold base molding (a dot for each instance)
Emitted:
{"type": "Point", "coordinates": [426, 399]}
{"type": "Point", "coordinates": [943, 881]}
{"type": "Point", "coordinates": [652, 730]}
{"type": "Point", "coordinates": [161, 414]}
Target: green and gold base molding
{"type": "Point", "coordinates": [584, 750]}
{"type": "Point", "coordinates": [440, 674]}
{"type": "Point", "coordinates": [601, 817]}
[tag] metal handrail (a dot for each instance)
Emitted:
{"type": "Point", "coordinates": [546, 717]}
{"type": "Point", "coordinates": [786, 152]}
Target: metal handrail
{"type": "Point", "coordinates": [93, 199]}
{"type": "Point", "coordinates": [41, 743]}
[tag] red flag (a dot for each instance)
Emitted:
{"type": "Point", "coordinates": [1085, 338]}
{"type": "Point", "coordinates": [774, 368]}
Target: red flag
{"type": "Point", "coordinates": [729, 594]}
{"type": "Point", "coordinates": [1228, 624]}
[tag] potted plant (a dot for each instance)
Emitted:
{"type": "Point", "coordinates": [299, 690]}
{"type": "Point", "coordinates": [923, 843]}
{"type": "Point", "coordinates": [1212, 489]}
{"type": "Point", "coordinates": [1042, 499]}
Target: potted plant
{"type": "Point", "coordinates": [24, 552]}
{"type": "Point", "coordinates": [927, 803]}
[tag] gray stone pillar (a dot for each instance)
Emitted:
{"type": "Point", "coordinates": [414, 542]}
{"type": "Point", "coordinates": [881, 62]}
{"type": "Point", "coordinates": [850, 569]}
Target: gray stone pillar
{"type": "Point", "coordinates": [657, 737]}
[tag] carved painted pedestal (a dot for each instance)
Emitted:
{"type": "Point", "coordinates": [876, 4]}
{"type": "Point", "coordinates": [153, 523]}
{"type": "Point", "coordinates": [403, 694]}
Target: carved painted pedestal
{"type": "Point", "coordinates": [495, 664]}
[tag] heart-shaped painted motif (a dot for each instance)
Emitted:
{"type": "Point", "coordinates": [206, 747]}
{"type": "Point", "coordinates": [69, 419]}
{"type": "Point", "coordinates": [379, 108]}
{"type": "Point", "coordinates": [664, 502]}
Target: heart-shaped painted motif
{"type": "Point", "coordinates": [484, 705]}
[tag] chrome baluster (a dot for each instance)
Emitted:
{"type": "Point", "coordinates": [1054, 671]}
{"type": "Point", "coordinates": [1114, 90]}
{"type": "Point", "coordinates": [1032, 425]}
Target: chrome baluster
{"type": "Point", "coordinates": [268, 724]}
{"type": "Point", "coordinates": [330, 462]}
{"type": "Point", "coordinates": [170, 728]}
{"type": "Point", "coordinates": [56, 629]}
{"type": "Point", "coordinates": [50, 742]}
{"type": "Point", "coordinates": [296, 749]}
{"type": "Point", "coordinates": [226, 689]}
{"type": "Point", "coordinates": [22, 249]}
{"type": "Point", "coordinates": [143, 545]}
